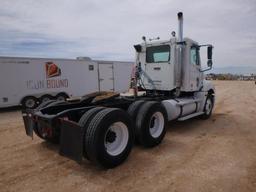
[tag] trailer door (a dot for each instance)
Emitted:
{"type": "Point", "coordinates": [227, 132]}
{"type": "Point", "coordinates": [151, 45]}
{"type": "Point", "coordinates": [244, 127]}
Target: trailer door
{"type": "Point", "coordinates": [106, 77]}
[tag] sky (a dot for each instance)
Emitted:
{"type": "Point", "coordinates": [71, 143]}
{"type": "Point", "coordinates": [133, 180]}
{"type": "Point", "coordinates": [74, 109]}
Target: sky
{"type": "Point", "coordinates": [108, 29]}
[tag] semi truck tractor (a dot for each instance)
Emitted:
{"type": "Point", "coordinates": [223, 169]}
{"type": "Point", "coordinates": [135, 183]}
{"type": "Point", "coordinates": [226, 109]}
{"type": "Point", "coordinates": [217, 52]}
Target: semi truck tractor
{"type": "Point", "coordinates": [168, 85]}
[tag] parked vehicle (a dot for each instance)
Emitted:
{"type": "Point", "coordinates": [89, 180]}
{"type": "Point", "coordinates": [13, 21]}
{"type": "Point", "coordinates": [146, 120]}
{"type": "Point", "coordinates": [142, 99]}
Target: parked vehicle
{"type": "Point", "coordinates": [103, 130]}
{"type": "Point", "coordinates": [31, 81]}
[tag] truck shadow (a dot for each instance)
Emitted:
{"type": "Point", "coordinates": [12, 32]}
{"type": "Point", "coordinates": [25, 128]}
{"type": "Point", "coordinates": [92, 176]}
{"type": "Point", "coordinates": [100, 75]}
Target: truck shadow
{"type": "Point", "coordinates": [140, 155]}
{"type": "Point", "coordinates": [10, 109]}
{"type": "Point", "coordinates": [50, 146]}
{"type": "Point", "coordinates": [194, 123]}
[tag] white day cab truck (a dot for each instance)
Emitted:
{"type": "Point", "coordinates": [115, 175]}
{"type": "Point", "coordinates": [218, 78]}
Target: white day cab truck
{"type": "Point", "coordinates": [170, 75]}
{"type": "Point", "coordinates": [31, 81]}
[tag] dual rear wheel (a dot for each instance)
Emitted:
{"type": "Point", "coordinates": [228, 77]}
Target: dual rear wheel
{"type": "Point", "coordinates": [108, 136]}
{"type": "Point", "coordinates": [150, 120]}
{"type": "Point", "coordinates": [109, 133]}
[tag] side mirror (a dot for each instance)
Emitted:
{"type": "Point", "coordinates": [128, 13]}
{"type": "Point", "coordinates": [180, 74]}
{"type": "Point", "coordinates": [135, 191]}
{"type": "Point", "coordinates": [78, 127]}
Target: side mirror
{"type": "Point", "coordinates": [209, 52]}
{"type": "Point", "coordinates": [209, 57]}
{"type": "Point", "coordinates": [209, 63]}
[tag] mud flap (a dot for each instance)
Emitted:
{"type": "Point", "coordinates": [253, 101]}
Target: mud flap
{"type": "Point", "coordinates": [71, 140]}
{"type": "Point", "coordinates": [29, 123]}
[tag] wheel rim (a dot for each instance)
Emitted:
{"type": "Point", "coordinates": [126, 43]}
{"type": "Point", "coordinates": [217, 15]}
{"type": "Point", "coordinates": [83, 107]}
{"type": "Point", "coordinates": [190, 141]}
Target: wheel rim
{"type": "Point", "coordinates": [30, 103]}
{"type": "Point", "coordinates": [45, 99]}
{"type": "Point", "coordinates": [116, 138]}
{"type": "Point", "coordinates": [61, 98]}
{"type": "Point", "coordinates": [208, 106]}
{"type": "Point", "coordinates": [156, 125]}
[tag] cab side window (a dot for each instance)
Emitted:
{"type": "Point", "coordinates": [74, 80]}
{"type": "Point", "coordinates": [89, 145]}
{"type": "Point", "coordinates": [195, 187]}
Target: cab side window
{"type": "Point", "coordinates": [194, 56]}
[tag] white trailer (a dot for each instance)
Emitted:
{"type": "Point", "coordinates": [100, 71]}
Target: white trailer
{"type": "Point", "coordinates": [30, 81]}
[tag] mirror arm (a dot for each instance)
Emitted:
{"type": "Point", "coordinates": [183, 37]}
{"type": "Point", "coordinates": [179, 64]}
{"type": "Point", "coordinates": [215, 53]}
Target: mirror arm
{"type": "Point", "coordinates": [209, 63]}
{"type": "Point", "coordinates": [208, 45]}
{"type": "Point", "coordinates": [205, 69]}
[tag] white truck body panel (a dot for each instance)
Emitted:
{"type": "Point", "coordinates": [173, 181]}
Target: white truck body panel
{"type": "Point", "coordinates": [163, 75]}
{"type": "Point", "coordinates": [192, 77]}
{"type": "Point", "coordinates": [158, 76]}
{"type": "Point", "coordinates": [21, 77]}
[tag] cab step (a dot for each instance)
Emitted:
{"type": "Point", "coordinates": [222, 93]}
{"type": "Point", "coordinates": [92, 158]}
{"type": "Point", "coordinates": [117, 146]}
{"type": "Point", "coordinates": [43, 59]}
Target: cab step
{"type": "Point", "coordinates": [190, 116]}
{"type": "Point", "coordinates": [187, 101]}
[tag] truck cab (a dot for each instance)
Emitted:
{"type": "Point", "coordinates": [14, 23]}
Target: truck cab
{"type": "Point", "coordinates": [158, 64]}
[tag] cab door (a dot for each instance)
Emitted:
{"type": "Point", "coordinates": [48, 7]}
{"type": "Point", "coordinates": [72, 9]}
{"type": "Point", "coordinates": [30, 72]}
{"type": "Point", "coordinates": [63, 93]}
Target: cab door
{"type": "Point", "coordinates": [158, 68]}
{"type": "Point", "coordinates": [195, 69]}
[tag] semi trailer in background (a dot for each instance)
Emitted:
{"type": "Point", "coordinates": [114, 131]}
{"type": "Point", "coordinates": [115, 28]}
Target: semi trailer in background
{"type": "Point", "coordinates": [31, 81]}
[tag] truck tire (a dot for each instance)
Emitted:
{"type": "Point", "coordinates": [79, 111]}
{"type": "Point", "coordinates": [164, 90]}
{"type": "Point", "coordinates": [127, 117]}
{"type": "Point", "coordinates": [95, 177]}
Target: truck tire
{"type": "Point", "coordinates": [84, 122]}
{"type": "Point", "coordinates": [61, 97]}
{"type": "Point", "coordinates": [134, 108]}
{"type": "Point", "coordinates": [45, 98]}
{"type": "Point", "coordinates": [208, 107]}
{"type": "Point", "coordinates": [133, 111]}
{"type": "Point", "coordinates": [29, 102]}
{"type": "Point", "coordinates": [109, 137]}
{"type": "Point", "coordinates": [151, 122]}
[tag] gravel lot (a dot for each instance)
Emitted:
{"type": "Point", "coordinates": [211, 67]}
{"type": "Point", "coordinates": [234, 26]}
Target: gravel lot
{"type": "Point", "coordinates": [218, 154]}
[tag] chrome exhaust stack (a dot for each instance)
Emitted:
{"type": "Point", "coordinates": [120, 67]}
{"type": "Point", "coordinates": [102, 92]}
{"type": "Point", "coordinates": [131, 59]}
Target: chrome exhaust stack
{"type": "Point", "coordinates": [180, 25]}
{"type": "Point", "coordinates": [179, 42]}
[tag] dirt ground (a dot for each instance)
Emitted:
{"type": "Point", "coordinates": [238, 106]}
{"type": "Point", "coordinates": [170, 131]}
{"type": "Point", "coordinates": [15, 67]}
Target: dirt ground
{"type": "Point", "coordinates": [218, 154]}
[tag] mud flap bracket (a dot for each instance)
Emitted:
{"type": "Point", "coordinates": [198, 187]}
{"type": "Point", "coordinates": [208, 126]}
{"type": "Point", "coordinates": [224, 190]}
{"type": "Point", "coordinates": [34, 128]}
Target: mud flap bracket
{"type": "Point", "coordinates": [29, 124]}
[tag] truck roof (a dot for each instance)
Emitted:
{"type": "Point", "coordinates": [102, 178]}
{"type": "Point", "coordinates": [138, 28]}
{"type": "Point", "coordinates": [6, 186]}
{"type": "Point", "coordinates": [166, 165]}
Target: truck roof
{"type": "Point", "coordinates": [61, 59]}
{"type": "Point", "coordinates": [172, 40]}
